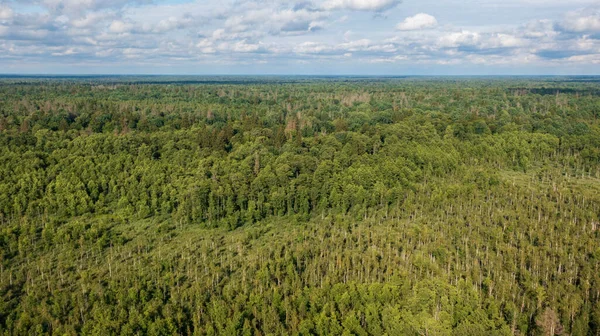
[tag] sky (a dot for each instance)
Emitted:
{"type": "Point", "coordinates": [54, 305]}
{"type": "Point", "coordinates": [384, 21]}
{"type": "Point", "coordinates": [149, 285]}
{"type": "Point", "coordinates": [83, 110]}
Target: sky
{"type": "Point", "coordinates": [318, 37]}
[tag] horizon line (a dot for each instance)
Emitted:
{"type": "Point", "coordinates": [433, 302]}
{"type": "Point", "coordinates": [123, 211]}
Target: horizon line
{"type": "Point", "coordinates": [290, 74]}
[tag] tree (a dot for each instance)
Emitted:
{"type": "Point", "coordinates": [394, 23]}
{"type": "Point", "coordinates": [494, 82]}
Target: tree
{"type": "Point", "coordinates": [549, 323]}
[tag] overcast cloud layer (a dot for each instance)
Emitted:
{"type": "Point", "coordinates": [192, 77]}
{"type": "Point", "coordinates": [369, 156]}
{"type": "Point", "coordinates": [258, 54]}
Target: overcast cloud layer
{"type": "Point", "coordinates": [385, 37]}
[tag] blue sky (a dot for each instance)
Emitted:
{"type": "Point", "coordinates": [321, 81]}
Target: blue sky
{"type": "Point", "coordinates": [363, 37]}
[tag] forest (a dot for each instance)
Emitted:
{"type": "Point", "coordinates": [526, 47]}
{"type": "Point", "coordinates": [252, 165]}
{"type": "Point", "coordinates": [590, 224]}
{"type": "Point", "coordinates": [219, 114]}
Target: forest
{"type": "Point", "coordinates": [299, 206]}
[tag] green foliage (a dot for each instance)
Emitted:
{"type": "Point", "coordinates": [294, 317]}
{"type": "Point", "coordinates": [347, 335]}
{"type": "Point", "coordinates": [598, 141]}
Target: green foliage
{"type": "Point", "coordinates": [389, 207]}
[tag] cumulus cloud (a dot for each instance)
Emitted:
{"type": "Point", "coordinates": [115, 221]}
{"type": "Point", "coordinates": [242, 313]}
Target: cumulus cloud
{"type": "Point", "coordinates": [539, 29]}
{"type": "Point", "coordinates": [457, 39]}
{"type": "Point", "coordinates": [90, 19]}
{"type": "Point", "coordinates": [310, 47]}
{"type": "Point", "coordinates": [361, 5]}
{"type": "Point", "coordinates": [120, 27]}
{"type": "Point", "coordinates": [241, 47]}
{"type": "Point", "coordinates": [417, 22]}
{"type": "Point", "coordinates": [503, 40]}
{"type": "Point", "coordinates": [75, 6]}
{"type": "Point", "coordinates": [285, 31]}
{"type": "Point", "coordinates": [581, 21]}
{"type": "Point", "coordinates": [276, 20]}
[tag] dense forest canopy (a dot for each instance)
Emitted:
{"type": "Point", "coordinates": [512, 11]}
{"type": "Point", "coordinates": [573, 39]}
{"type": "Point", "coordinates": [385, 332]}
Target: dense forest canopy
{"type": "Point", "coordinates": [300, 206]}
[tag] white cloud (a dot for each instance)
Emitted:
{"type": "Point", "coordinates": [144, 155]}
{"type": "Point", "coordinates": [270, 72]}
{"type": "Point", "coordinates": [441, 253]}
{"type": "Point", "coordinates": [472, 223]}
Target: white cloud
{"type": "Point", "coordinates": [6, 13]}
{"type": "Point", "coordinates": [219, 34]}
{"type": "Point", "coordinates": [311, 47]}
{"type": "Point", "coordinates": [240, 47]}
{"type": "Point", "coordinates": [417, 22]}
{"type": "Point", "coordinates": [120, 27]}
{"type": "Point", "coordinates": [539, 29]}
{"type": "Point", "coordinates": [457, 39]}
{"type": "Point", "coordinates": [356, 45]}
{"type": "Point", "coordinates": [361, 5]}
{"type": "Point", "coordinates": [67, 52]}
{"type": "Point", "coordinates": [459, 43]}
{"type": "Point", "coordinates": [244, 47]}
{"type": "Point", "coordinates": [276, 21]}
{"type": "Point", "coordinates": [91, 19]}
{"type": "Point", "coordinates": [589, 59]}
{"type": "Point", "coordinates": [582, 21]}
{"type": "Point", "coordinates": [501, 40]}
{"type": "Point", "coordinates": [252, 32]}
{"type": "Point", "coordinates": [80, 6]}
